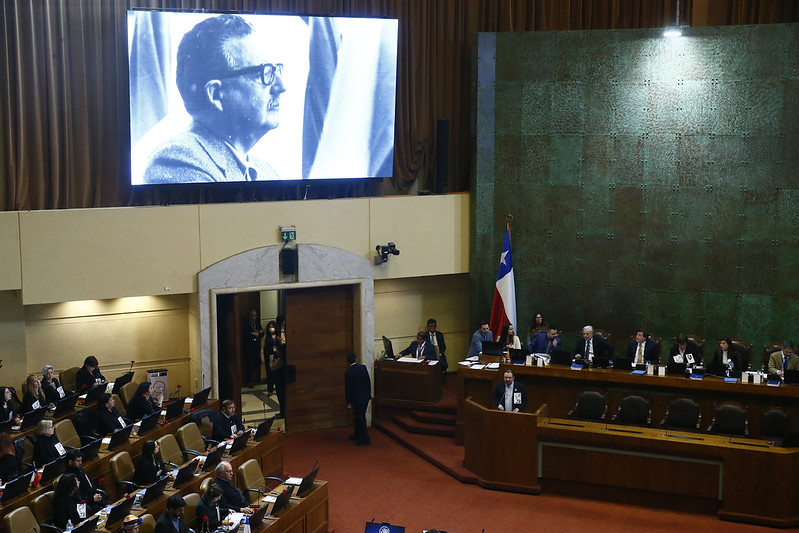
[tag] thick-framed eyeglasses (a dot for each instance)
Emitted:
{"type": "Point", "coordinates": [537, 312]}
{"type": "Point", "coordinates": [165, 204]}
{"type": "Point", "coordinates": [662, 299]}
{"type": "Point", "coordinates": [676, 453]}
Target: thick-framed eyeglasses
{"type": "Point", "coordinates": [268, 71]}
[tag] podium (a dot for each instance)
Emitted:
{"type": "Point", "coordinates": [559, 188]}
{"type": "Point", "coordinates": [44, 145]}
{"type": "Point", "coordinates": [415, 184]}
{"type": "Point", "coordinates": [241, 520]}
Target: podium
{"type": "Point", "coordinates": [413, 382]}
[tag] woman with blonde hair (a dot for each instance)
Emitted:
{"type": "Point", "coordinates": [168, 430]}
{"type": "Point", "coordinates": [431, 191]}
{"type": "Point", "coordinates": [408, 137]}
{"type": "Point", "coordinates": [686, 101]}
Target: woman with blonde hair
{"type": "Point", "coordinates": [34, 397]}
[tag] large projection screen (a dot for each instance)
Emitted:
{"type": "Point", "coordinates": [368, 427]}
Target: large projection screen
{"type": "Point", "coordinates": [327, 112]}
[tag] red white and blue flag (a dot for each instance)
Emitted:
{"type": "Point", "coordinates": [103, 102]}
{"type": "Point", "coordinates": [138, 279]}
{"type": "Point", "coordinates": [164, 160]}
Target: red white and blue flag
{"type": "Point", "coordinates": [503, 310]}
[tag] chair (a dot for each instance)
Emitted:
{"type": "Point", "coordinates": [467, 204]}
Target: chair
{"type": "Point", "coordinates": [119, 405]}
{"type": "Point", "coordinates": [591, 405]}
{"type": "Point", "coordinates": [42, 507]}
{"type": "Point", "coordinates": [768, 350]}
{"type": "Point", "coordinates": [744, 348]}
{"type": "Point", "coordinates": [84, 421]}
{"type": "Point", "coordinates": [190, 511]}
{"type": "Point", "coordinates": [205, 485]}
{"type": "Point", "coordinates": [697, 343]}
{"type": "Point", "coordinates": [147, 523]}
{"type": "Point", "coordinates": [682, 413]}
{"type": "Point", "coordinates": [252, 480]}
{"type": "Point", "coordinates": [730, 419]}
{"type": "Point", "coordinates": [774, 423]}
{"type": "Point", "coordinates": [191, 440]}
{"type": "Point", "coordinates": [67, 377]}
{"type": "Point", "coordinates": [171, 452]}
{"type": "Point", "coordinates": [204, 420]}
{"type": "Point", "coordinates": [68, 436]}
{"type": "Point", "coordinates": [608, 339]}
{"type": "Point", "coordinates": [126, 393]}
{"type": "Point", "coordinates": [24, 451]}
{"type": "Point", "coordinates": [21, 520]}
{"type": "Point", "coordinates": [634, 410]}
{"type": "Point", "coordinates": [122, 471]}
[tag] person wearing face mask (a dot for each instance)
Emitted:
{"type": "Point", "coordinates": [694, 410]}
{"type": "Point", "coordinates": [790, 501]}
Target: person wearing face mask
{"type": "Point", "coordinates": [269, 348]}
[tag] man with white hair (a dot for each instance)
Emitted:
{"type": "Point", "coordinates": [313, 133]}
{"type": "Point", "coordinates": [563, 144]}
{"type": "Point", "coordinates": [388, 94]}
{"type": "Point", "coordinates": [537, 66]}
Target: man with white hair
{"type": "Point", "coordinates": [590, 346]}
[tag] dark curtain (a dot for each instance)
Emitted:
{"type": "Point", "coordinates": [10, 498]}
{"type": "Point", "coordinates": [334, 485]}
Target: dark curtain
{"type": "Point", "coordinates": [64, 91]}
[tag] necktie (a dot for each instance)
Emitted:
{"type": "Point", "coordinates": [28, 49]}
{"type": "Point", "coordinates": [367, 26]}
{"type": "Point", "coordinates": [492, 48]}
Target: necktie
{"type": "Point", "coordinates": [639, 357]}
{"type": "Point", "coordinates": [785, 362]}
{"type": "Point", "coordinates": [419, 352]}
{"type": "Point", "coordinates": [587, 349]}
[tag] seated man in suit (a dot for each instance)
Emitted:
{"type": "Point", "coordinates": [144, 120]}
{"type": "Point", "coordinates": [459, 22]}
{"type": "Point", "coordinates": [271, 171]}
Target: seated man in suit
{"type": "Point", "coordinates": [785, 359]}
{"type": "Point", "coordinates": [727, 355]}
{"type": "Point", "coordinates": [510, 395]}
{"type": "Point", "coordinates": [682, 353]}
{"type": "Point", "coordinates": [436, 338]}
{"type": "Point", "coordinates": [226, 424]}
{"type": "Point", "coordinates": [591, 346]}
{"type": "Point", "coordinates": [89, 375]}
{"type": "Point", "coordinates": [642, 349]}
{"type": "Point", "coordinates": [171, 521]}
{"type": "Point", "coordinates": [545, 341]}
{"type": "Point", "coordinates": [232, 499]}
{"type": "Point", "coordinates": [421, 349]}
{"type": "Point", "coordinates": [479, 336]}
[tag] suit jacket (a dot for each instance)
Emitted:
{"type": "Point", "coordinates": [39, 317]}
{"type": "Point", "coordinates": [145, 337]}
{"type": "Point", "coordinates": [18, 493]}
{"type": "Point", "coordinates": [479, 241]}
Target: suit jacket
{"type": "Point", "coordinates": [107, 421]}
{"type": "Point", "coordinates": [499, 395]}
{"type": "Point", "coordinates": [164, 524]}
{"type": "Point", "coordinates": [688, 350]}
{"type": "Point", "coordinates": [775, 362]}
{"type": "Point", "coordinates": [199, 155]}
{"type": "Point", "coordinates": [357, 384]}
{"type": "Point", "coordinates": [50, 391]}
{"type": "Point", "coordinates": [599, 344]}
{"type": "Point", "coordinates": [221, 429]}
{"type": "Point", "coordinates": [542, 344]}
{"type": "Point", "coordinates": [65, 508]}
{"type": "Point", "coordinates": [232, 498]}
{"type": "Point", "coordinates": [86, 491]}
{"type": "Point", "coordinates": [214, 513]}
{"type": "Point", "coordinates": [44, 450]}
{"type": "Point", "coordinates": [140, 406]}
{"type": "Point", "coordinates": [650, 351]}
{"type": "Point", "coordinates": [28, 399]}
{"type": "Point", "coordinates": [442, 346]}
{"type": "Point", "coordinates": [428, 350]}
{"type": "Point", "coordinates": [147, 471]}
{"type": "Point", "coordinates": [731, 354]}
{"type": "Point", "coordinates": [85, 380]}
{"type": "Point", "coordinates": [9, 468]}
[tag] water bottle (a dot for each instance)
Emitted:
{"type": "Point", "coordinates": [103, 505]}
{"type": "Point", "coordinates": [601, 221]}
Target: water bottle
{"type": "Point", "coordinates": [245, 524]}
{"type": "Point", "coordinates": [69, 525]}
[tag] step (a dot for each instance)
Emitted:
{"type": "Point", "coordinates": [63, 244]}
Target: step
{"type": "Point", "coordinates": [442, 419]}
{"type": "Point", "coordinates": [410, 424]}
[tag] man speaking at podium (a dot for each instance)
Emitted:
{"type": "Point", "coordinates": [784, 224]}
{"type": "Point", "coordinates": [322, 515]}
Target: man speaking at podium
{"type": "Point", "coordinates": [509, 395]}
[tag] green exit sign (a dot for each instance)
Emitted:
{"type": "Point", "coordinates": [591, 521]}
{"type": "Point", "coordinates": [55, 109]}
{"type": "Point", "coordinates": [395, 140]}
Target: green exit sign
{"type": "Point", "coordinates": [288, 233]}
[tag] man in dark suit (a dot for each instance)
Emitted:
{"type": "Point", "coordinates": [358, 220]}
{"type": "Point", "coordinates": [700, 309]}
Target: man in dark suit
{"type": "Point", "coordinates": [358, 392]}
{"type": "Point", "coordinates": [420, 348]}
{"type": "Point", "coordinates": [682, 352]}
{"type": "Point", "coordinates": [436, 338]}
{"type": "Point", "coordinates": [590, 346]}
{"type": "Point", "coordinates": [226, 424]}
{"type": "Point", "coordinates": [510, 395]}
{"type": "Point", "coordinates": [642, 349]}
{"type": "Point", "coordinates": [89, 375]}
{"type": "Point", "coordinates": [171, 521]}
{"type": "Point", "coordinates": [232, 499]}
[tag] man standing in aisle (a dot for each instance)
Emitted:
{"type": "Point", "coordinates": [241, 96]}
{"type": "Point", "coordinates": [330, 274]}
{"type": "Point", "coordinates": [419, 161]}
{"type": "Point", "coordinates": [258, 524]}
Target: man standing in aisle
{"type": "Point", "coordinates": [358, 392]}
{"type": "Point", "coordinates": [436, 339]}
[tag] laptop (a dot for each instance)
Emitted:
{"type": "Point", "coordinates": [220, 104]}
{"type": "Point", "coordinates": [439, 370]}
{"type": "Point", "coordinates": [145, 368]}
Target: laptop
{"type": "Point", "coordinates": [388, 348]}
{"type": "Point", "coordinates": [719, 370]}
{"type": "Point", "coordinates": [601, 362]}
{"type": "Point", "coordinates": [676, 369]}
{"type": "Point", "coordinates": [175, 409]}
{"type": "Point", "coordinates": [120, 437]}
{"type": "Point", "coordinates": [382, 527]}
{"type": "Point", "coordinates": [53, 469]}
{"type": "Point", "coordinates": [257, 518]}
{"type": "Point", "coordinates": [185, 473]}
{"type": "Point", "coordinates": [281, 502]}
{"type": "Point", "coordinates": [148, 423]}
{"type": "Point", "coordinates": [307, 483]}
{"type": "Point", "coordinates": [214, 457]}
{"type": "Point", "coordinates": [623, 363]}
{"type": "Point", "coordinates": [118, 512]}
{"type": "Point", "coordinates": [93, 395]}
{"type": "Point", "coordinates": [791, 377]}
{"type": "Point", "coordinates": [264, 428]}
{"type": "Point", "coordinates": [87, 526]}
{"type": "Point", "coordinates": [492, 348]}
{"type": "Point", "coordinates": [561, 357]}
{"type": "Point", "coordinates": [65, 405]}
{"type": "Point", "coordinates": [124, 379]}
{"type": "Point", "coordinates": [517, 356]}
{"type": "Point", "coordinates": [240, 442]}
{"type": "Point", "coordinates": [32, 418]}
{"type": "Point", "coordinates": [92, 450]}
{"type": "Point", "coordinates": [15, 487]}
{"type": "Point", "coordinates": [200, 398]}
{"type": "Point", "coordinates": [154, 491]}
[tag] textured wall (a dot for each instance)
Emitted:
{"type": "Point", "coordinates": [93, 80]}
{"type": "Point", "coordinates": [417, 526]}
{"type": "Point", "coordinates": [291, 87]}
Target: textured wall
{"type": "Point", "coordinates": [652, 181]}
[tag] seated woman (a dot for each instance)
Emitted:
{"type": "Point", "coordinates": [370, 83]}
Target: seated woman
{"type": "Point", "coordinates": [66, 503]}
{"type": "Point", "coordinates": [508, 338]}
{"type": "Point", "coordinates": [727, 355]}
{"type": "Point", "coordinates": [34, 397]}
{"type": "Point", "coordinates": [52, 389]}
{"type": "Point", "coordinates": [8, 410]}
{"type": "Point", "coordinates": [47, 447]}
{"type": "Point", "coordinates": [108, 418]}
{"type": "Point", "coordinates": [9, 468]}
{"type": "Point", "coordinates": [145, 401]}
{"type": "Point", "coordinates": [150, 468]}
{"type": "Point", "coordinates": [208, 506]}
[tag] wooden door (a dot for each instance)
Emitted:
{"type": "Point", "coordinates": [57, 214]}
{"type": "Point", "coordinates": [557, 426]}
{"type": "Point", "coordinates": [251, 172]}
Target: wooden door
{"type": "Point", "coordinates": [319, 334]}
{"type": "Point", "coordinates": [233, 312]}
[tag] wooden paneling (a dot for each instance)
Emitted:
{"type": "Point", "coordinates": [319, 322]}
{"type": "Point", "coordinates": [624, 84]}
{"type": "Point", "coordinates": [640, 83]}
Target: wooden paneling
{"type": "Point", "coordinates": [407, 381]}
{"type": "Point", "coordinates": [319, 334]}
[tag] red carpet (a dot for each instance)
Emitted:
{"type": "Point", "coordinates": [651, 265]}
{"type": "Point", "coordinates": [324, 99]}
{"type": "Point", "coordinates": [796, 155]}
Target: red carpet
{"type": "Point", "coordinates": [387, 482]}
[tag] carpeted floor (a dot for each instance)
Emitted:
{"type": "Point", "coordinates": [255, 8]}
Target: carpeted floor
{"type": "Point", "coordinates": [387, 482]}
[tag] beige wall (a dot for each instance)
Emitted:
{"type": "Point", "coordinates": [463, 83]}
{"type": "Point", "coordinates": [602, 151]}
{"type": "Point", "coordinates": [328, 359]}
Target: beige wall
{"type": "Point", "coordinates": [94, 281]}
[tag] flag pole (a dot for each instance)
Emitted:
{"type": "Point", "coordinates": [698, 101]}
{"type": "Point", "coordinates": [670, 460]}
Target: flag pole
{"type": "Point", "coordinates": [509, 222]}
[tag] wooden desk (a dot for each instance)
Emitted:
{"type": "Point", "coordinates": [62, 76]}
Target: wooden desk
{"type": "Point", "coordinates": [746, 480]}
{"type": "Point", "coordinates": [412, 382]}
{"type": "Point", "coordinates": [559, 386]}
{"type": "Point", "coordinates": [304, 515]}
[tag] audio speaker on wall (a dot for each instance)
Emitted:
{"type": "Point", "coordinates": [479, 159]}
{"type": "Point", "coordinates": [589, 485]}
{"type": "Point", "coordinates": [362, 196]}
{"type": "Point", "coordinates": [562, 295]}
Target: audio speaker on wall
{"type": "Point", "coordinates": [288, 261]}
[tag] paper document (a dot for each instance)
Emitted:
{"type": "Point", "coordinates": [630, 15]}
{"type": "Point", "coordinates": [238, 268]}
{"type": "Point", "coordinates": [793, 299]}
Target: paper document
{"type": "Point", "coordinates": [293, 481]}
{"type": "Point", "coordinates": [465, 363]}
{"type": "Point", "coordinates": [473, 358]}
{"type": "Point", "coordinates": [409, 359]}
{"type": "Point", "coordinates": [478, 366]}
{"type": "Point", "coordinates": [492, 365]}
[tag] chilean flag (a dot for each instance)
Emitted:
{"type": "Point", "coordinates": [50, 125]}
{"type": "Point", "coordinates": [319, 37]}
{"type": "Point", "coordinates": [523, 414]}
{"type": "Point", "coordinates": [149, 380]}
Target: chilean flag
{"type": "Point", "coordinates": [503, 309]}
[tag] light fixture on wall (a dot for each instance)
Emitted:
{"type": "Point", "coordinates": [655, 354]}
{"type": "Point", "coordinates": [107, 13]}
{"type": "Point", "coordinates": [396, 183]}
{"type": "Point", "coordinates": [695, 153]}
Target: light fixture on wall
{"type": "Point", "coordinates": [384, 251]}
{"type": "Point", "coordinates": [676, 30]}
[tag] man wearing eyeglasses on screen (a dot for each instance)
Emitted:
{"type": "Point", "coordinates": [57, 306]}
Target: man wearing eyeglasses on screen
{"type": "Point", "coordinates": [231, 86]}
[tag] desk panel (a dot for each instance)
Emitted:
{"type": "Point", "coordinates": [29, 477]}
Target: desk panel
{"type": "Point", "coordinates": [413, 382]}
